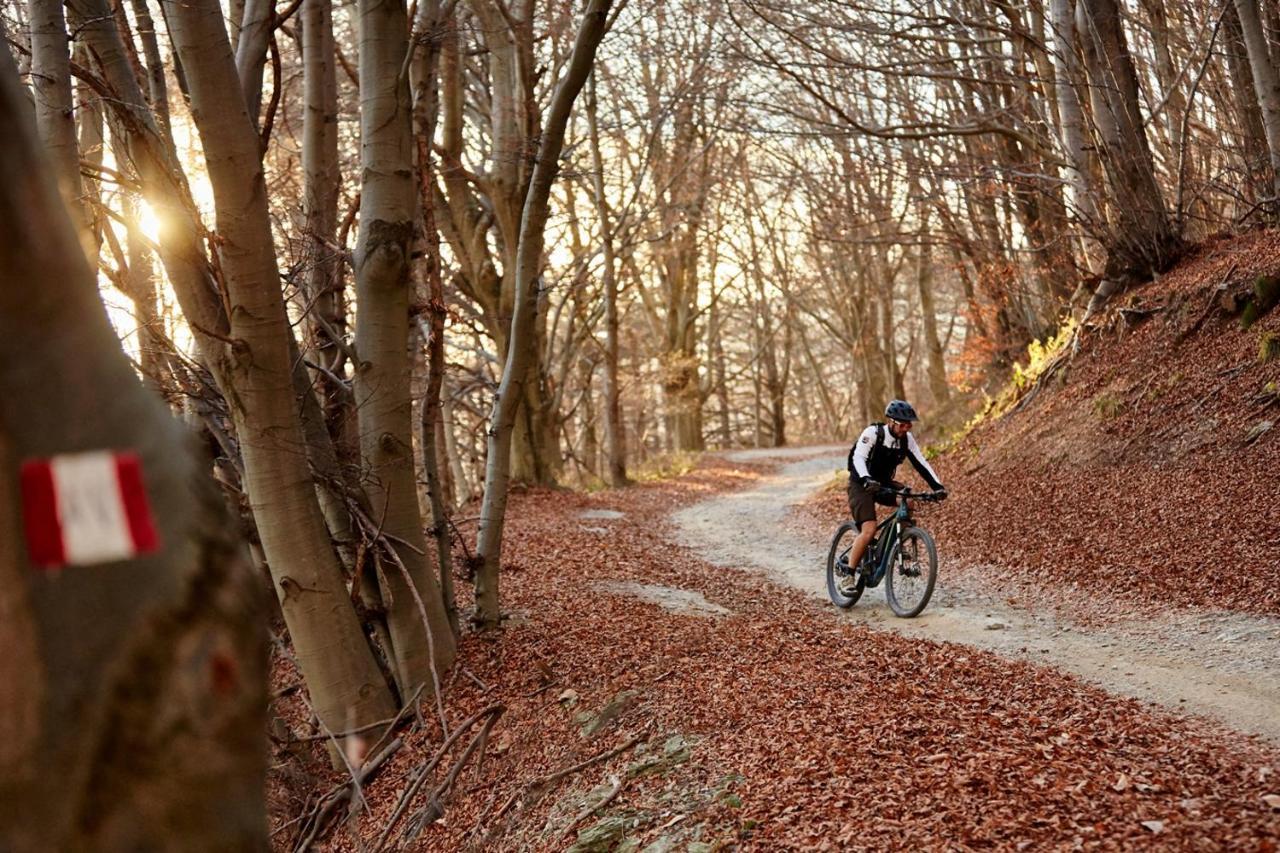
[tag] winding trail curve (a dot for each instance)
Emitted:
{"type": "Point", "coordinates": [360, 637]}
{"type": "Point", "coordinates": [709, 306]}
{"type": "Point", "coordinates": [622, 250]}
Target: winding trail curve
{"type": "Point", "coordinates": [1219, 664]}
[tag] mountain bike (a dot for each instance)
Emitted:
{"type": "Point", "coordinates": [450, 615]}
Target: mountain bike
{"type": "Point", "coordinates": [902, 554]}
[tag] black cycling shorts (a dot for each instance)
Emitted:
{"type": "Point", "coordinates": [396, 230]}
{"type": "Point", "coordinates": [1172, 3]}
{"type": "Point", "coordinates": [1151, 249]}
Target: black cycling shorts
{"type": "Point", "coordinates": [862, 504]}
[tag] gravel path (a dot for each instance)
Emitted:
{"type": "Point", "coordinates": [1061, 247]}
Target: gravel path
{"type": "Point", "coordinates": [1220, 664]}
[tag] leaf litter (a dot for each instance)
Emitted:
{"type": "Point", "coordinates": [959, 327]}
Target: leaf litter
{"type": "Point", "coordinates": [834, 736]}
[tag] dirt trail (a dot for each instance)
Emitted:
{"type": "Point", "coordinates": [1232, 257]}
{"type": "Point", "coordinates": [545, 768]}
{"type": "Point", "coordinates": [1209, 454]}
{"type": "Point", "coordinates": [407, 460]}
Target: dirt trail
{"type": "Point", "coordinates": [1220, 664]}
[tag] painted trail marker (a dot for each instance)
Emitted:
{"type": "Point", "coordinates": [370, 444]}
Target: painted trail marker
{"type": "Point", "coordinates": [84, 508]}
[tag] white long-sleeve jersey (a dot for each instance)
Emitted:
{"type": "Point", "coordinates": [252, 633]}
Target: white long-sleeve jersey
{"type": "Point", "coordinates": [861, 457]}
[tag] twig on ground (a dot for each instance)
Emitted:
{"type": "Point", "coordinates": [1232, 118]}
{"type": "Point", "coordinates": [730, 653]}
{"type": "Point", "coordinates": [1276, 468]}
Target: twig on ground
{"type": "Point", "coordinates": [423, 771]}
{"type": "Point", "coordinates": [618, 783]}
{"type": "Point", "coordinates": [474, 678]}
{"type": "Point", "coordinates": [543, 689]}
{"type": "Point", "coordinates": [340, 735]}
{"type": "Point", "coordinates": [412, 704]}
{"type": "Point", "coordinates": [533, 791]}
{"type": "Point", "coordinates": [287, 690]}
{"type": "Point", "coordinates": [1208, 308]}
{"type": "Point", "coordinates": [548, 781]}
{"type": "Point", "coordinates": [315, 822]}
{"type": "Point", "coordinates": [1230, 373]}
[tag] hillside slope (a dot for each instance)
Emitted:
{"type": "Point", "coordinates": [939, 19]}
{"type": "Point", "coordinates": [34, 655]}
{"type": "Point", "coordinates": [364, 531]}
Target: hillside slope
{"type": "Point", "coordinates": [1136, 468]}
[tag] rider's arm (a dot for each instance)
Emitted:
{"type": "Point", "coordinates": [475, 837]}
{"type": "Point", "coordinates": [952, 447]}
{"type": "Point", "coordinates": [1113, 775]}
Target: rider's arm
{"type": "Point", "coordinates": [862, 451]}
{"type": "Point", "coordinates": [921, 464]}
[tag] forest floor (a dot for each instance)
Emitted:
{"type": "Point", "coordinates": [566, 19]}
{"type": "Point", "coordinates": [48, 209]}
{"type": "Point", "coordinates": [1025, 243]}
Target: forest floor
{"type": "Point", "coordinates": [1098, 668]}
{"type": "Point", "coordinates": [750, 714]}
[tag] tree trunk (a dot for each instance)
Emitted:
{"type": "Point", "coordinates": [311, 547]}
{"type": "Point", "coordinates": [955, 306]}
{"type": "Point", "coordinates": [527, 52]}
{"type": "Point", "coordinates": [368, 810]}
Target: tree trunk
{"type": "Point", "coordinates": [719, 378]}
{"type": "Point", "coordinates": [936, 366]}
{"type": "Point", "coordinates": [475, 223]}
{"type": "Point", "coordinates": [346, 685]}
{"type": "Point", "coordinates": [426, 109]}
{"type": "Point", "coordinates": [322, 280]}
{"type": "Point", "coordinates": [255, 31]}
{"type": "Point", "coordinates": [520, 351]}
{"type": "Point", "coordinates": [1143, 241]}
{"type": "Point", "coordinates": [134, 698]}
{"type": "Point", "coordinates": [1253, 136]}
{"type": "Point", "coordinates": [1266, 82]}
{"type": "Point", "coordinates": [55, 121]}
{"type": "Point", "coordinates": [157, 89]}
{"type": "Point", "coordinates": [1175, 102]}
{"type": "Point", "coordinates": [90, 135]}
{"type": "Point", "coordinates": [615, 435]}
{"type": "Point", "coordinates": [423, 642]}
{"type": "Point", "coordinates": [1069, 79]}
{"type": "Point", "coordinates": [462, 483]}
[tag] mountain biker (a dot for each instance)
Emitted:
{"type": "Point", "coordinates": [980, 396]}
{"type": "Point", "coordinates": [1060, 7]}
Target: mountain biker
{"type": "Point", "coordinates": [873, 460]}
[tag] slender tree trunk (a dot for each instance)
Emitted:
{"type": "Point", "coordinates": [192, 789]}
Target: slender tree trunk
{"type": "Point", "coordinates": [462, 483]}
{"type": "Point", "coordinates": [426, 109]}
{"type": "Point", "coordinates": [254, 38]}
{"type": "Point", "coordinates": [936, 366]}
{"type": "Point", "coordinates": [134, 692]}
{"type": "Point", "coordinates": [90, 135]}
{"type": "Point", "coordinates": [1266, 81]}
{"type": "Point", "coordinates": [519, 352]}
{"type": "Point", "coordinates": [157, 90]}
{"type": "Point", "coordinates": [385, 409]}
{"type": "Point", "coordinates": [719, 378]}
{"type": "Point", "coordinates": [328, 421]}
{"type": "Point", "coordinates": [55, 121]}
{"type": "Point", "coordinates": [322, 281]}
{"type": "Point", "coordinates": [614, 425]}
{"type": "Point", "coordinates": [1175, 102]}
{"type": "Point", "coordinates": [1253, 135]}
{"type": "Point", "coordinates": [588, 441]}
{"type": "Point", "coordinates": [831, 416]}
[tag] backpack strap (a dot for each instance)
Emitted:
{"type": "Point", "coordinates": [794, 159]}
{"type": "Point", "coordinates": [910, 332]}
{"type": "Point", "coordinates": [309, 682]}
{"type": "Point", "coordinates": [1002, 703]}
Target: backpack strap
{"type": "Point", "coordinates": [879, 443]}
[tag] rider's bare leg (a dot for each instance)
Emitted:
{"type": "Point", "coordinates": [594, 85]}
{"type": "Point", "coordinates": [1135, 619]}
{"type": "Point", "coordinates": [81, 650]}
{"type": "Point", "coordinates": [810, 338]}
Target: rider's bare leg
{"type": "Point", "coordinates": [860, 544]}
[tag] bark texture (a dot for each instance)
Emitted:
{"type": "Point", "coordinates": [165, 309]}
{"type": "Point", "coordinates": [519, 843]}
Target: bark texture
{"type": "Point", "coordinates": [419, 627]}
{"type": "Point", "coordinates": [133, 692]}
{"type": "Point", "coordinates": [1266, 81]}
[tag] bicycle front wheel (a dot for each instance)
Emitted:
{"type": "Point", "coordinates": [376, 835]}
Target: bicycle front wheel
{"type": "Point", "coordinates": [913, 570]}
{"type": "Point", "coordinates": [844, 582]}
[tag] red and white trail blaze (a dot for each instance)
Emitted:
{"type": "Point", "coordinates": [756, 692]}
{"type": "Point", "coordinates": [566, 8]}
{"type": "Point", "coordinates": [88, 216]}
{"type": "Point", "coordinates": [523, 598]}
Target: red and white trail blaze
{"type": "Point", "coordinates": [80, 509]}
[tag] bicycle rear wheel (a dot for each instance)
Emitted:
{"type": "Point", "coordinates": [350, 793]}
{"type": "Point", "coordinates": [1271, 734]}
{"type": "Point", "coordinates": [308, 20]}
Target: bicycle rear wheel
{"type": "Point", "coordinates": [844, 582]}
{"type": "Point", "coordinates": [913, 570]}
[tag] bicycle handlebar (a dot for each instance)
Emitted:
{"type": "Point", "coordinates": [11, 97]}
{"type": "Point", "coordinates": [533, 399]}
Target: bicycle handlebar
{"type": "Point", "coordinates": [907, 493]}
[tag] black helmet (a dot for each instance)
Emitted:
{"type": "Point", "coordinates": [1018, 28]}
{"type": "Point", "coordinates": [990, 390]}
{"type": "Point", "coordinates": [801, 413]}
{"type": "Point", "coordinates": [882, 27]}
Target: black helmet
{"type": "Point", "coordinates": [900, 410]}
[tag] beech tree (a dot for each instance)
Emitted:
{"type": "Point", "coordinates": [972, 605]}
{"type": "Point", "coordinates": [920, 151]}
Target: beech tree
{"type": "Point", "coordinates": [134, 694]}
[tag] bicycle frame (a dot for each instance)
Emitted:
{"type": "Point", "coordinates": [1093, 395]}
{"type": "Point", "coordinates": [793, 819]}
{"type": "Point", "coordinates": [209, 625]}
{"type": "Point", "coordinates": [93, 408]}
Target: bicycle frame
{"type": "Point", "coordinates": [887, 534]}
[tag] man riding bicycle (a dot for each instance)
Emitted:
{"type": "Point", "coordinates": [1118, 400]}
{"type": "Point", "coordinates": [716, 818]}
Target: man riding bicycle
{"type": "Point", "coordinates": [873, 461]}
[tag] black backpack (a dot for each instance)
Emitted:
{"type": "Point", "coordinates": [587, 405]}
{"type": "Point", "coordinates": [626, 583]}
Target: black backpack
{"type": "Point", "coordinates": [879, 425]}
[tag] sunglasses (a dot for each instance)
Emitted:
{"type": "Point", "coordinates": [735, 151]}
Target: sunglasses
{"type": "Point", "coordinates": [897, 422]}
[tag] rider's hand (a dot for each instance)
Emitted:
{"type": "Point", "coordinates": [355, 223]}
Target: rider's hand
{"type": "Point", "coordinates": [940, 494]}
{"type": "Point", "coordinates": [870, 485]}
